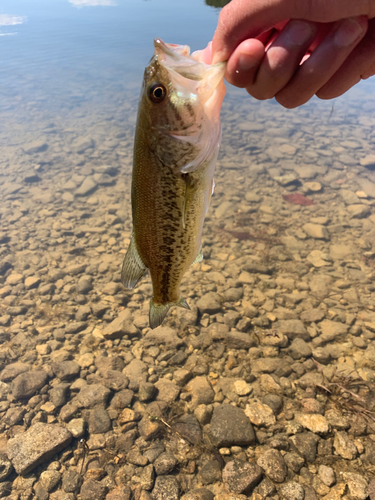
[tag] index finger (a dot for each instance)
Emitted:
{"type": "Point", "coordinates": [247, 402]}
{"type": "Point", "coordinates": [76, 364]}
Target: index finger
{"type": "Point", "coordinates": [242, 19]}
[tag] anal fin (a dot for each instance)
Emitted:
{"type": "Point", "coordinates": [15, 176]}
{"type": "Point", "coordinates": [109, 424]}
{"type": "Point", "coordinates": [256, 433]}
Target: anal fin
{"type": "Point", "coordinates": [132, 268]}
{"type": "Point", "coordinates": [158, 312]}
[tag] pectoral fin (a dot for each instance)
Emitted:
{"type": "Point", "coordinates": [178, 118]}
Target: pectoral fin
{"type": "Point", "coordinates": [132, 268]}
{"type": "Point", "coordinates": [199, 257]}
{"type": "Point", "coordinates": [159, 311]}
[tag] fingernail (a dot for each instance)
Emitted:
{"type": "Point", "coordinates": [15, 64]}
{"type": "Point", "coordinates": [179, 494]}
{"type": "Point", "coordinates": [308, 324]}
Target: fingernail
{"type": "Point", "coordinates": [348, 32]}
{"type": "Point", "coordinates": [299, 32]}
{"type": "Point", "coordinates": [246, 62]}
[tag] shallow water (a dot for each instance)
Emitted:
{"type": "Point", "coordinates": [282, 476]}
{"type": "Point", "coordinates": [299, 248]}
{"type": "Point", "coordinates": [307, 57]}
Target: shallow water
{"type": "Point", "coordinates": [70, 76]}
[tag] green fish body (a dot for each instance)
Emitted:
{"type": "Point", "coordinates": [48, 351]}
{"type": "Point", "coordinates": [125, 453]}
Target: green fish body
{"type": "Point", "coordinates": [176, 145]}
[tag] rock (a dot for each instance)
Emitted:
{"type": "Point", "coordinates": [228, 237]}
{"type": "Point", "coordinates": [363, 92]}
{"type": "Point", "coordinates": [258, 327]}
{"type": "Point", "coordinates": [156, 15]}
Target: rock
{"type": "Point", "coordinates": [92, 396]}
{"type": "Point", "coordinates": [198, 494]}
{"type": "Point", "coordinates": [6, 467]}
{"type": "Point", "coordinates": [104, 364]}
{"type": "Point", "coordinates": [357, 485]}
{"type": "Point", "coordinates": [241, 476]}
{"type": "Point", "coordinates": [314, 423]}
{"type": "Point", "coordinates": [71, 481]}
{"type": "Point", "coordinates": [77, 427]}
{"type": "Point", "coordinates": [93, 489]}
{"type": "Point", "coordinates": [168, 391]}
{"type": "Point", "coordinates": [201, 391]}
{"type": "Point", "coordinates": [33, 147]}
{"type": "Point", "coordinates": [371, 489]}
{"type": "Point", "coordinates": [260, 415]}
{"type": "Point", "coordinates": [66, 370]}
{"type": "Point", "coordinates": [293, 328]}
{"type": "Point", "coordinates": [27, 384]}
{"type": "Point", "coordinates": [340, 252]}
{"type": "Point", "coordinates": [312, 315]}
{"type": "Point", "coordinates": [242, 388]}
{"type": "Point", "coordinates": [291, 491]}
{"type": "Point", "coordinates": [12, 370]}
{"type": "Point", "coordinates": [122, 399]}
{"type": "Point", "coordinates": [146, 391]}
{"type": "Point", "coordinates": [358, 211]}
{"type": "Point", "coordinates": [368, 161]}
{"type": "Point", "coordinates": [37, 445]}
{"type": "Point", "coordinates": [49, 479]}
{"type": "Point", "coordinates": [306, 444]}
{"type": "Point", "coordinates": [165, 463]}
{"type": "Point", "coordinates": [274, 401]}
{"type": "Point", "coordinates": [164, 335]}
{"type": "Point", "coordinates": [327, 475]}
{"type": "Point", "coordinates": [273, 464]}
{"type": "Point", "coordinates": [209, 303]}
{"type": "Point", "coordinates": [166, 488]}
{"type": "Point", "coordinates": [210, 472]}
{"type": "Point", "coordinates": [332, 331]}
{"type": "Point", "coordinates": [99, 421]}
{"type": "Point", "coordinates": [299, 349]}
{"type": "Point", "coordinates": [344, 446]}
{"type": "Point", "coordinates": [230, 427]}
{"type": "Point", "coordinates": [136, 371]}
{"type": "Point", "coordinates": [294, 462]}
{"type": "Point", "coordinates": [14, 279]}
{"type": "Point", "coordinates": [32, 282]}
{"type": "Point", "coordinates": [121, 326]}
{"type": "Point", "coordinates": [316, 231]}
{"type": "Point", "coordinates": [81, 144]}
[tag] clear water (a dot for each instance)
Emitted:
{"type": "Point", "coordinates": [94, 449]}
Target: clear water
{"type": "Point", "coordinates": [70, 77]}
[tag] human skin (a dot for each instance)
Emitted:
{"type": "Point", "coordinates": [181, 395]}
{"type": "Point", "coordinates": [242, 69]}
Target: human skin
{"type": "Point", "coordinates": [294, 49]}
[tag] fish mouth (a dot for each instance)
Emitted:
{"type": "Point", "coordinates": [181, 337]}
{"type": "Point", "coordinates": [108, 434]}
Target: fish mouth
{"type": "Point", "coordinates": [194, 76]}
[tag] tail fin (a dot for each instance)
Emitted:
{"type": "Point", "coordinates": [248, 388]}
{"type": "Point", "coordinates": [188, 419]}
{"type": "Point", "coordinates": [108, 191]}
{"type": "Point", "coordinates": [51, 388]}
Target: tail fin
{"type": "Point", "coordinates": [159, 311]}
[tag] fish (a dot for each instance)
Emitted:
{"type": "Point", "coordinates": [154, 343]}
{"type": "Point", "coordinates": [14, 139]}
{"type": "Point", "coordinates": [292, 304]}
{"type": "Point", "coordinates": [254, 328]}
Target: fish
{"type": "Point", "coordinates": [177, 140]}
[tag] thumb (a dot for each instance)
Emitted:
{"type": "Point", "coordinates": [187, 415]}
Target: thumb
{"type": "Point", "coordinates": [243, 19]}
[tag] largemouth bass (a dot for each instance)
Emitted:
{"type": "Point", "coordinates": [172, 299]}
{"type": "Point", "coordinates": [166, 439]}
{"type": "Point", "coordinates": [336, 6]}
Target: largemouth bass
{"type": "Point", "coordinates": [176, 144]}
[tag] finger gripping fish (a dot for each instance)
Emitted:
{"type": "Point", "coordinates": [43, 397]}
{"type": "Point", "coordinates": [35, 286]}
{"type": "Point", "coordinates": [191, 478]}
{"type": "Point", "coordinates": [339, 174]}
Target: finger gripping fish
{"type": "Point", "coordinates": [176, 144]}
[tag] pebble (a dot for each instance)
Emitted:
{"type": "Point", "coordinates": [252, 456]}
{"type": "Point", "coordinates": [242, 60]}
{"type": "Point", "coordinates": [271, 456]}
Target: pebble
{"type": "Point", "coordinates": [230, 426]}
{"type": "Point", "coordinates": [260, 415]}
{"type": "Point", "coordinates": [313, 422]}
{"type": "Point", "coordinates": [37, 445]}
{"type": "Point", "coordinates": [292, 491]}
{"type": "Point", "coordinates": [27, 384]}
{"type": "Point", "coordinates": [241, 477]}
{"type": "Point", "coordinates": [273, 464]}
{"type": "Point", "coordinates": [166, 487]}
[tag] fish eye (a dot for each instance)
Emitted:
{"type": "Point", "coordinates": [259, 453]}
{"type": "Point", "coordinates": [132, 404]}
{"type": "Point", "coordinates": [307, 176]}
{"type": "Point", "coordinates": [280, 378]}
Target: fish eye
{"type": "Point", "coordinates": [157, 93]}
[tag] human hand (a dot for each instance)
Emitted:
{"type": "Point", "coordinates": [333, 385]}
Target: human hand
{"type": "Point", "coordinates": [291, 49]}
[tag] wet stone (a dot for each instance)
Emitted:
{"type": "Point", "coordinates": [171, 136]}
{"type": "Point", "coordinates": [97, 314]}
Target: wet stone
{"type": "Point", "coordinates": [313, 422]}
{"type": "Point", "coordinates": [77, 427]}
{"type": "Point", "coordinates": [344, 446]}
{"type": "Point", "coordinates": [294, 462]}
{"type": "Point", "coordinates": [210, 472]}
{"type": "Point", "coordinates": [165, 463]}
{"type": "Point", "coordinates": [99, 421]}
{"type": "Point", "coordinates": [230, 426]}
{"type": "Point", "coordinates": [121, 326]}
{"type": "Point", "coordinates": [95, 395]}
{"type": "Point", "coordinates": [167, 391]}
{"type": "Point", "coordinates": [66, 370]}
{"type": "Point", "coordinates": [241, 477]}
{"type": "Point", "coordinates": [166, 488]}
{"type": "Point", "coordinates": [201, 391]}
{"type": "Point", "coordinates": [71, 481]}
{"type": "Point", "coordinates": [327, 475]}
{"type": "Point", "coordinates": [39, 443]}
{"type": "Point", "coordinates": [198, 494]}
{"type": "Point", "coordinates": [93, 489]}
{"type": "Point", "coordinates": [273, 464]}
{"type": "Point", "coordinates": [12, 370]}
{"type": "Point", "coordinates": [49, 479]}
{"type": "Point", "coordinates": [306, 445]}
{"type": "Point", "coordinates": [292, 491]}
{"type": "Point", "coordinates": [274, 401]}
{"type": "Point", "coordinates": [27, 384]}
{"type": "Point", "coordinates": [6, 467]}
{"type": "Point", "coordinates": [209, 303]}
{"type": "Point", "coordinates": [260, 415]}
